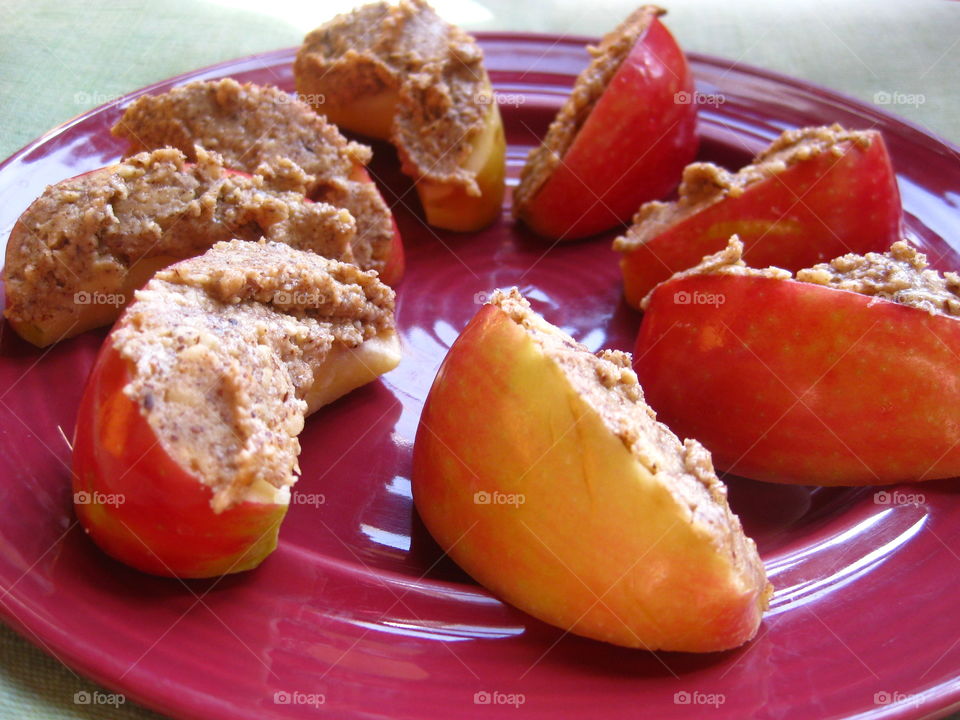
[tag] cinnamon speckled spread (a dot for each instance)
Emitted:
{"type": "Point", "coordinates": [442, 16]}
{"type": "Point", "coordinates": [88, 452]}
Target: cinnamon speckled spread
{"type": "Point", "coordinates": [226, 346]}
{"type": "Point", "coordinates": [263, 130]}
{"type": "Point", "coordinates": [435, 68]}
{"type": "Point", "coordinates": [609, 385]}
{"type": "Point", "coordinates": [590, 84]}
{"type": "Point", "coordinates": [899, 275]}
{"type": "Point", "coordinates": [84, 234]}
{"type": "Point", "coordinates": [705, 184]}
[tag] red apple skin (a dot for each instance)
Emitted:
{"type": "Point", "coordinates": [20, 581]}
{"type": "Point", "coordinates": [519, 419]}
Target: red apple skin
{"type": "Point", "coordinates": [799, 383]}
{"type": "Point", "coordinates": [809, 213]}
{"type": "Point", "coordinates": [396, 263]}
{"type": "Point", "coordinates": [632, 147]}
{"type": "Point", "coordinates": [143, 508]}
{"type": "Point", "coordinates": [588, 512]}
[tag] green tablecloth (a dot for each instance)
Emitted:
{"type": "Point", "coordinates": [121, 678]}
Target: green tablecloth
{"type": "Point", "coordinates": [59, 58]}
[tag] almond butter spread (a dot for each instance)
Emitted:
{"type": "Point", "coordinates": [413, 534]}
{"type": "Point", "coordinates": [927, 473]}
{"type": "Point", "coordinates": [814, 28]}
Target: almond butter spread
{"type": "Point", "coordinates": [900, 275]}
{"type": "Point", "coordinates": [434, 69]}
{"type": "Point", "coordinates": [705, 184]}
{"type": "Point", "coordinates": [82, 236]}
{"type": "Point", "coordinates": [590, 84]}
{"type": "Point", "coordinates": [226, 346]}
{"type": "Point", "coordinates": [607, 382]}
{"type": "Point", "coordinates": [263, 130]}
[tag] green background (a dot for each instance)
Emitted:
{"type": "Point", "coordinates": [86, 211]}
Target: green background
{"type": "Point", "coordinates": [60, 58]}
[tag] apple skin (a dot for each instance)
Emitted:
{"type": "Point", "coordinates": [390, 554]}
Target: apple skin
{"type": "Point", "coordinates": [847, 204]}
{"type": "Point", "coordinates": [799, 383]}
{"type": "Point", "coordinates": [632, 147]}
{"type": "Point", "coordinates": [593, 523]}
{"type": "Point", "coordinates": [140, 506]}
{"type": "Point", "coordinates": [396, 264]}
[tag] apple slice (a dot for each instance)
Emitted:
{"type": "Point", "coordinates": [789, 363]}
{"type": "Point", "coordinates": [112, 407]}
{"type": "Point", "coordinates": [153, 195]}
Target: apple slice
{"type": "Point", "coordinates": [815, 193]}
{"type": "Point", "coordinates": [541, 471]}
{"type": "Point", "coordinates": [186, 442]}
{"type": "Point", "coordinates": [622, 138]}
{"type": "Point", "coordinates": [850, 381]}
{"type": "Point", "coordinates": [261, 129]}
{"type": "Point", "coordinates": [79, 251]}
{"type": "Point", "coordinates": [403, 74]}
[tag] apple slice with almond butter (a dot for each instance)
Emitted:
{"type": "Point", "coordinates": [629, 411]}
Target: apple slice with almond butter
{"type": "Point", "coordinates": [77, 254]}
{"type": "Point", "coordinates": [186, 445]}
{"type": "Point", "coordinates": [813, 194]}
{"type": "Point", "coordinates": [399, 72]}
{"type": "Point", "coordinates": [541, 471]}
{"type": "Point", "coordinates": [846, 375]}
{"type": "Point", "coordinates": [621, 139]}
{"type": "Point", "coordinates": [260, 129]}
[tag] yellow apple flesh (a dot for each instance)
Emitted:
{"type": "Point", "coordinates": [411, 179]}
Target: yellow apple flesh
{"type": "Point", "coordinates": [449, 206]}
{"type": "Point", "coordinates": [523, 483]}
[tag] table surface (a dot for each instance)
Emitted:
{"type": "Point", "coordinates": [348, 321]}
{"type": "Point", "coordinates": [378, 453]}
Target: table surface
{"type": "Point", "coordinates": [59, 58]}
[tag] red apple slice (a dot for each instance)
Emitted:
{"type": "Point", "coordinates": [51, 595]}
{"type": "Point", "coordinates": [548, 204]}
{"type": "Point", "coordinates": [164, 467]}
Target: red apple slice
{"type": "Point", "coordinates": [540, 470]}
{"type": "Point", "coordinates": [795, 382]}
{"type": "Point", "coordinates": [186, 443]}
{"type": "Point", "coordinates": [621, 139]}
{"type": "Point", "coordinates": [814, 194]}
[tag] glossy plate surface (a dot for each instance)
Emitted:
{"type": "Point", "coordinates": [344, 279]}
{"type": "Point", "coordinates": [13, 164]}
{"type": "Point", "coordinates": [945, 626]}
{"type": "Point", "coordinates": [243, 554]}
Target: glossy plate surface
{"type": "Point", "coordinates": [358, 614]}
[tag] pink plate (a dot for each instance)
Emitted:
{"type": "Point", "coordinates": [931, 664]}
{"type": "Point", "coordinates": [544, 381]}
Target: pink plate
{"type": "Point", "coordinates": [357, 614]}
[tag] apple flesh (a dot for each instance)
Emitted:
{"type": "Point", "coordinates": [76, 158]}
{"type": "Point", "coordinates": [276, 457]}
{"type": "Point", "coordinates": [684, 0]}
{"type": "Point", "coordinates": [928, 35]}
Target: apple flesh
{"type": "Point", "coordinates": [632, 147]}
{"type": "Point", "coordinates": [520, 480]}
{"type": "Point", "coordinates": [792, 382]}
{"type": "Point", "coordinates": [450, 206]}
{"type": "Point", "coordinates": [815, 209]}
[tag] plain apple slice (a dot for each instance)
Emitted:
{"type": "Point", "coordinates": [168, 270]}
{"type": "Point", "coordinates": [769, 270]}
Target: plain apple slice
{"type": "Point", "coordinates": [622, 138]}
{"type": "Point", "coordinates": [186, 444]}
{"type": "Point", "coordinates": [260, 129]}
{"type": "Point", "coordinates": [797, 382]}
{"type": "Point", "coordinates": [403, 74]}
{"type": "Point", "coordinates": [814, 194]}
{"type": "Point", "coordinates": [541, 471]}
{"type": "Point", "coordinates": [79, 251]}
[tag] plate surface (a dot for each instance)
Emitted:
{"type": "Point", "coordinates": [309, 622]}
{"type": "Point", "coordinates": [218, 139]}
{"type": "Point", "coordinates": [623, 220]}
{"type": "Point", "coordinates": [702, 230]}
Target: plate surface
{"type": "Point", "coordinates": [358, 614]}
